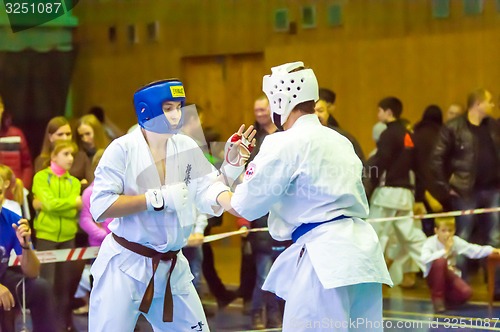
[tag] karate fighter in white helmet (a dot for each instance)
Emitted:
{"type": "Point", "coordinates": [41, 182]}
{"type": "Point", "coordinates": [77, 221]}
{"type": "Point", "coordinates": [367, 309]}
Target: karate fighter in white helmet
{"type": "Point", "coordinates": [308, 178]}
{"type": "Point", "coordinates": [151, 180]}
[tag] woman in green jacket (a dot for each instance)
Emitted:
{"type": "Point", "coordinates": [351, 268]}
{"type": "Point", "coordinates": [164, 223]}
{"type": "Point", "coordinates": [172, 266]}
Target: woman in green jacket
{"type": "Point", "coordinates": [57, 200]}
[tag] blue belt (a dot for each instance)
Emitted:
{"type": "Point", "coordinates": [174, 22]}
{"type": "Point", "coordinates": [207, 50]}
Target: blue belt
{"type": "Point", "coordinates": [304, 228]}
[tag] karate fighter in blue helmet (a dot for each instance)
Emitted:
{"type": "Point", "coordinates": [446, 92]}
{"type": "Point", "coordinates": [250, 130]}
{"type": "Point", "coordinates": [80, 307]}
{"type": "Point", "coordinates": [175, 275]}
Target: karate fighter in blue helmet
{"type": "Point", "coordinates": [151, 181]}
{"type": "Point", "coordinates": [308, 178]}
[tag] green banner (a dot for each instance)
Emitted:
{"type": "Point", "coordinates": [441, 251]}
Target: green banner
{"type": "Point", "coordinates": [26, 14]}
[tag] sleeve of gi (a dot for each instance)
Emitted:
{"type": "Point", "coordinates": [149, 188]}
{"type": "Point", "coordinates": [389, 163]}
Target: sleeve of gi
{"type": "Point", "coordinates": [109, 180]}
{"type": "Point", "coordinates": [205, 174]}
{"type": "Point", "coordinates": [429, 253]}
{"type": "Point", "coordinates": [471, 250]}
{"type": "Point", "coordinates": [201, 223]}
{"type": "Point", "coordinates": [267, 178]}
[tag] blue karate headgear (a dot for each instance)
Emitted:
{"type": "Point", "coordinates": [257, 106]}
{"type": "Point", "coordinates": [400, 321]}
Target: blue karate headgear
{"type": "Point", "coordinates": [148, 102]}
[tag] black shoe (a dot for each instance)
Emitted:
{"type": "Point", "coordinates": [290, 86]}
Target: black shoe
{"type": "Point", "coordinates": [229, 297]}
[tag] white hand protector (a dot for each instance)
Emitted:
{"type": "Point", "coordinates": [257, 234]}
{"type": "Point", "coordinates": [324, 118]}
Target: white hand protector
{"type": "Point", "coordinates": [175, 196]}
{"type": "Point", "coordinates": [235, 156]}
{"type": "Point", "coordinates": [154, 200]}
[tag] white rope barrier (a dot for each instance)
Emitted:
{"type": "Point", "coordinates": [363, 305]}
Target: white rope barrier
{"type": "Point", "coordinates": [65, 255]}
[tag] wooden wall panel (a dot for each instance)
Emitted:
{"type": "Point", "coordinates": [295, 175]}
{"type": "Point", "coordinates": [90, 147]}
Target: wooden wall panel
{"type": "Point", "coordinates": [384, 47]}
{"type": "Point", "coordinates": [420, 70]}
{"type": "Point", "coordinates": [225, 87]}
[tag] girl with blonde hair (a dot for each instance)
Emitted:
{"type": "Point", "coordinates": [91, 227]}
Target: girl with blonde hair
{"type": "Point", "coordinates": [58, 202]}
{"type": "Point", "coordinates": [90, 135]}
{"type": "Point", "coordinates": [59, 128]}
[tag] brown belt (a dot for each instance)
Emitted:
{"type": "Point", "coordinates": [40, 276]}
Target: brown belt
{"type": "Point", "coordinates": [168, 302]}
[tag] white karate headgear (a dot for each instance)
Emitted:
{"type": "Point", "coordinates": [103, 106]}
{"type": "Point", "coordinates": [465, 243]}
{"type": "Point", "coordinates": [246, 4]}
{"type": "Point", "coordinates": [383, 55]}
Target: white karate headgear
{"type": "Point", "coordinates": [286, 89]}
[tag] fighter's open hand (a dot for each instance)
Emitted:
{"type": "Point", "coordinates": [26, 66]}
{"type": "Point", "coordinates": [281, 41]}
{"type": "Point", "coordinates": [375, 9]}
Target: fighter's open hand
{"type": "Point", "coordinates": [237, 151]}
{"type": "Point", "coordinates": [23, 232]}
{"type": "Point", "coordinates": [239, 146]}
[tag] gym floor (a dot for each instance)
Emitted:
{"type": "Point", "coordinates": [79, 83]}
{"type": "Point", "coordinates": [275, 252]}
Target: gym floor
{"type": "Point", "coordinates": [404, 309]}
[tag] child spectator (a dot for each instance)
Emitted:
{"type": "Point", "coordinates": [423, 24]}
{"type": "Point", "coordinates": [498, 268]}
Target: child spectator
{"type": "Point", "coordinates": [9, 188]}
{"type": "Point", "coordinates": [439, 254]}
{"type": "Point", "coordinates": [58, 128]}
{"type": "Point", "coordinates": [15, 234]}
{"type": "Point", "coordinates": [57, 200]}
{"type": "Point", "coordinates": [90, 135]}
{"type": "Point", "coordinates": [389, 178]}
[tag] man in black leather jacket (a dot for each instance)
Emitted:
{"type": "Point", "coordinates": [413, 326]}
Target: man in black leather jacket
{"type": "Point", "coordinates": [465, 165]}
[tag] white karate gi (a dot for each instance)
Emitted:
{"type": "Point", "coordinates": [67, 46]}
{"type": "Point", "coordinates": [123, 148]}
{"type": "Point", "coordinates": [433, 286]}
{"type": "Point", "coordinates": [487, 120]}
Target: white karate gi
{"type": "Point", "coordinates": [433, 249]}
{"type": "Point", "coordinates": [307, 174]}
{"type": "Point", "coordinates": [121, 276]}
{"type": "Point", "coordinates": [389, 202]}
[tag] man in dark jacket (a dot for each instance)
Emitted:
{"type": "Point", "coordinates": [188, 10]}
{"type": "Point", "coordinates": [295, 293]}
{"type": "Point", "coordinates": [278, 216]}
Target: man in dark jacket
{"type": "Point", "coordinates": [465, 166]}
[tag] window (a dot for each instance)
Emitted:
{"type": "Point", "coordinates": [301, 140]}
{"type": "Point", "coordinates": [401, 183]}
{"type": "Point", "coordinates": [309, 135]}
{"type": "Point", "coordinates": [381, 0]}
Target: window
{"type": "Point", "coordinates": [132, 34]}
{"type": "Point", "coordinates": [112, 34]}
{"type": "Point", "coordinates": [153, 30]}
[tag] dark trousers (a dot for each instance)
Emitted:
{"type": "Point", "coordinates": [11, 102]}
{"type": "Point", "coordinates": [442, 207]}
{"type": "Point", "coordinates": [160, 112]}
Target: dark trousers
{"type": "Point", "coordinates": [260, 298]}
{"type": "Point", "coordinates": [446, 285]}
{"type": "Point", "coordinates": [214, 283]}
{"type": "Point", "coordinates": [194, 255]}
{"type": "Point", "coordinates": [248, 271]}
{"type": "Point", "coordinates": [39, 299]}
{"type": "Point", "coordinates": [485, 227]}
{"type": "Point", "coordinates": [428, 224]}
{"type": "Point", "coordinates": [64, 277]}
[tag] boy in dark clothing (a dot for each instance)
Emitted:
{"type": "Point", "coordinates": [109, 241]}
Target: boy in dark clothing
{"type": "Point", "coordinates": [393, 196]}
